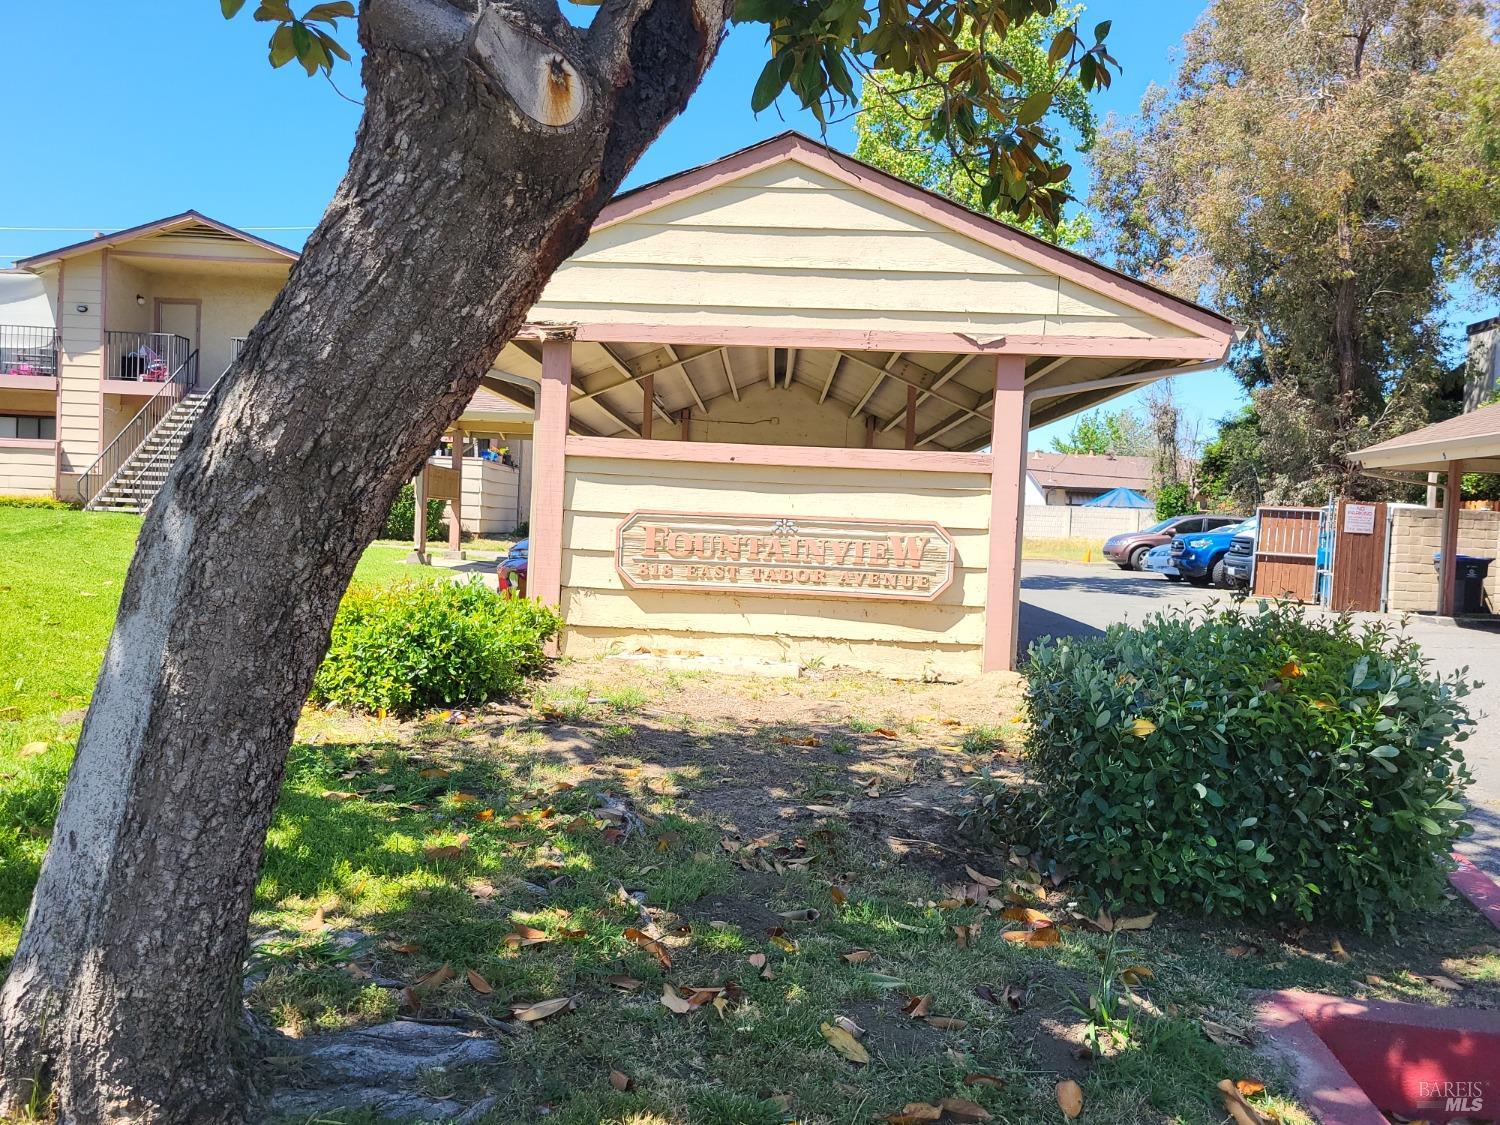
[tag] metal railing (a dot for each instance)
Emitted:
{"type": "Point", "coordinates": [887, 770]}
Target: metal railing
{"type": "Point", "coordinates": [28, 350]}
{"type": "Point", "coordinates": [118, 452]}
{"type": "Point", "coordinates": [236, 346]}
{"type": "Point", "coordinates": [145, 357]}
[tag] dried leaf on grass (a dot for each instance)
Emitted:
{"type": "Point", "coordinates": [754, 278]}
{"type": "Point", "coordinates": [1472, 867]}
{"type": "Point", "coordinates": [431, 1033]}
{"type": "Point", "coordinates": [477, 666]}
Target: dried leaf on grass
{"type": "Point", "coordinates": [857, 956]}
{"type": "Point", "coordinates": [845, 1044]}
{"type": "Point", "coordinates": [1034, 939]}
{"type": "Point", "coordinates": [621, 1081]}
{"type": "Point", "coordinates": [478, 983]}
{"type": "Point", "coordinates": [650, 945]}
{"type": "Point", "coordinates": [530, 1013]}
{"type": "Point", "coordinates": [523, 936]}
{"type": "Point", "coordinates": [1070, 1098]}
{"type": "Point", "coordinates": [1240, 1111]}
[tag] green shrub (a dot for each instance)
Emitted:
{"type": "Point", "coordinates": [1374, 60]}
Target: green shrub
{"type": "Point", "coordinates": [1241, 762]}
{"type": "Point", "coordinates": [402, 522]}
{"type": "Point", "coordinates": [33, 502]}
{"type": "Point", "coordinates": [1174, 500]}
{"type": "Point", "coordinates": [413, 645]}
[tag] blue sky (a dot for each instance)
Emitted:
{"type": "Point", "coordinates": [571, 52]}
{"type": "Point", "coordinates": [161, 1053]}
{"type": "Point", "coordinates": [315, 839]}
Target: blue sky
{"type": "Point", "coordinates": [170, 107]}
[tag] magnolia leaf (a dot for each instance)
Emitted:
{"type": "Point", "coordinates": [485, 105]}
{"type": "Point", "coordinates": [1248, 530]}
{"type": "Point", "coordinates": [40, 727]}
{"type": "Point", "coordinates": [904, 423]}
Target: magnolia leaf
{"type": "Point", "coordinates": [1139, 922]}
{"type": "Point", "coordinates": [674, 1001]}
{"type": "Point", "coordinates": [845, 1044]}
{"type": "Point", "coordinates": [962, 1109]}
{"type": "Point", "coordinates": [529, 1013]}
{"type": "Point", "coordinates": [915, 1113]}
{"type": "Point", "coordinates": [478, 983]}
{"type": "Point", "coordinates": [1070, 1098]}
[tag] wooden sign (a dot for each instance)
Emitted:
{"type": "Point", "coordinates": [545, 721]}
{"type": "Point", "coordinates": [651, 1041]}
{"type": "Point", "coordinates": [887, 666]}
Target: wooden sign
{"type": "Point", "coordinates": [898, 560]}
{"type": "Point", "coordinates": [441, 482]}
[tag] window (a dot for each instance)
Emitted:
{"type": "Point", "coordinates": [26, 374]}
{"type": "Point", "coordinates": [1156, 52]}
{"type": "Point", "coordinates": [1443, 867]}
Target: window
{"type": "Point", "coordinates": [37, 426]}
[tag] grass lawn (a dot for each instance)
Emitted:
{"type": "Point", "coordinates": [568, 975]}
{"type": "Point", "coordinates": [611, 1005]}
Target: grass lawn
{"type": "Point", "coordinates": [1066, 550]}
{"type": "Point", "coordinates": [790, 843]}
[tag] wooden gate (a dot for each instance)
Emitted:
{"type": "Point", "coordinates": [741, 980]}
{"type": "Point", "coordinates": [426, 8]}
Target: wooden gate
{"type": "Point", "coordinates": [1286, 553]}
{"type": "Point", "coordinates": [1358, 557]}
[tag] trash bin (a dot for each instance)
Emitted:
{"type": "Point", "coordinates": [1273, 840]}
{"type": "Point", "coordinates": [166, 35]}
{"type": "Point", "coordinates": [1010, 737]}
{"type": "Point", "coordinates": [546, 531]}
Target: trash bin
{"type": "Point", "coordinates": [1472, 571]}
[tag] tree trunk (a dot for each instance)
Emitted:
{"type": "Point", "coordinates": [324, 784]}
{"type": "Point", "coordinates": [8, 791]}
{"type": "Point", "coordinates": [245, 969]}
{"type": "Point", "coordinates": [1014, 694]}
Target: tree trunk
{"type": "Point", "coordinates": [492, 136]}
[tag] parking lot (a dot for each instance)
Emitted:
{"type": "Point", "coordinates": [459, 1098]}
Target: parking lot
{"type": "Point", "coordinates": [1072, 599]}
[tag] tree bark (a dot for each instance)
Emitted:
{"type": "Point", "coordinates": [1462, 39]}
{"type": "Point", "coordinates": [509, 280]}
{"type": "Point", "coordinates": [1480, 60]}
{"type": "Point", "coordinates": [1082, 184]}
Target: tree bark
{"type": "Point", "coordinates": [492, 136]}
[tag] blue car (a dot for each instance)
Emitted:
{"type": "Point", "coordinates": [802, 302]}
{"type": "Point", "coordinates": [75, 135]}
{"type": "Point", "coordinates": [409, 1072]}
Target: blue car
{"type": "Point", "coordinates": [1200, 559]}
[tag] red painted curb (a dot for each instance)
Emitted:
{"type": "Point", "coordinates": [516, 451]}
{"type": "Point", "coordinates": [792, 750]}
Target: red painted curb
{"type": "Point", "coordinates": [1476, 886]}
{"type": "Point", "coordinates": [1351, 1059]}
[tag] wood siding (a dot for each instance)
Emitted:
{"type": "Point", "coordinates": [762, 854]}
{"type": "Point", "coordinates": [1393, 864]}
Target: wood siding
{"type": "Point", "coordinates": [790, 246]}
{"type": "Point", "coordinates": [896, 638]}
{"type": "Point", "coordinates": [79, 403]}
{"type": "Point", "coordinates": [27, 468]}
{"type": "Point", "coordinates": [1358, 564]}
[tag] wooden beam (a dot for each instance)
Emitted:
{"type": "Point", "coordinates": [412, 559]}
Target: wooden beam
{"type": "Point", "coordinates": [734, 388]}
{"type": "Point", "coordinates": [958, 417]}
{"type": "Point", "coordinates": [869, 431]}
{"type": "Point", "coordinates": [770, 367]}
{"type": "Point", "coordinates": [1002, 601]}
{"type": "Point", "coordinates": [943, 376]}
{"type": "Point", "coordinates": [686, 378]}
{"type": "Point", "coordinates": [791, 367]}
{"type": "Point", "coordinates": [534, 351]}
{"type": "Point", "coordinates": [880, 374]}
{"type": "Point", "coordinates": [838, 358]}
{"type": "Point", "coordinates": [911, 417]}
{"type": "Point", "coordinates": [456, 505]}
{"type": "Point", "coordinates": [630, 377]}
{"type": "Point", "coordinates": [648, 405]}
{"type": "Point", "coordinates": [549, 442]}
{"type": "Point", "coordinates": [889, 372]}
{"type": "Point", "coordinates": [1047, 369]}
{"type": "Point", "coordinates": [1447, 579]}
{"type": "Point", "coordinates": [685, 424]}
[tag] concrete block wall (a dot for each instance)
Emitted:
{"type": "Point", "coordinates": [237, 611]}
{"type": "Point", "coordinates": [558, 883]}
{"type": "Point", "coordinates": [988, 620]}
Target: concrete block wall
{"type": "Point", "coordinates": [1057, 521]}
{"type": "Point", "coordinates": [1416, 535]}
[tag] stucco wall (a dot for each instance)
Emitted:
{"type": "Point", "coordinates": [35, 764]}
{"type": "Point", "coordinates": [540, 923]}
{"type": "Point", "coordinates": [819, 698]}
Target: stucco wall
{"type": "Point", "coordinates": [1416, 535]}
{"type": "Point", "coordinates": [901, 638]}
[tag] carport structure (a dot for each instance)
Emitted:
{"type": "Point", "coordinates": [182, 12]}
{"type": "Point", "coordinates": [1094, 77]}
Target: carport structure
{"type": "Point", "coordinates": [1469, 443]}
{"type": "Point", "coordinates": [764, 379]}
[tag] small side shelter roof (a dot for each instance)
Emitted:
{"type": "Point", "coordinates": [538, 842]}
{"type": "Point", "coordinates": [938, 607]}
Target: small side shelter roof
{"type": "Point", "coordinates": [1120, 498]}
{"type": "Point", "coordinates": [1472, 438]}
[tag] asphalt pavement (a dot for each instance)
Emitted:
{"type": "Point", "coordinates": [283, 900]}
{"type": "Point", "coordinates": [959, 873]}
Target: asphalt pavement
{"type": "Point", "coordinates": [1075, 599]}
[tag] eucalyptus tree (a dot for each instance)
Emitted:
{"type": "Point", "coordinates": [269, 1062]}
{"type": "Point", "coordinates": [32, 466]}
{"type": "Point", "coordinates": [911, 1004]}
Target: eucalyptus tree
{"type": "Point", "coordinates": [492, 135]}
{"type": "Point", "coordinates": [1324, 172]}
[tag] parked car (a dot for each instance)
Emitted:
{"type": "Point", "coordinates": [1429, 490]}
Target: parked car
{"type": "Point", "coordinates": [511, 570]}
{"type": "Point", "coordinates": [1200, 558]}
{"type": "Point", "coordinates": [1158, 560]}
{"type": "Point", "coordinates": [1128, 551]}
{"type": "Point", "coordinates": [1240, 561]}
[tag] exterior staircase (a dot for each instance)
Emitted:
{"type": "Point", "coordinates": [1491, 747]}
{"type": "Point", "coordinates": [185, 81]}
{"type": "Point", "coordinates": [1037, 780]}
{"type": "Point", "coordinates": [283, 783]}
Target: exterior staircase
{"type": "Point", "coordinates": [141, 476]}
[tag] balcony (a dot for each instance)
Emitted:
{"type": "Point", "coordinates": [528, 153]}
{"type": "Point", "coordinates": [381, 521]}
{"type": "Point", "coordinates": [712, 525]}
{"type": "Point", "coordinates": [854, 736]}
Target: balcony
{"type": "Point", "coordinates": [28, 358]}
{"type": "Point", "coordinates": [137, 363]}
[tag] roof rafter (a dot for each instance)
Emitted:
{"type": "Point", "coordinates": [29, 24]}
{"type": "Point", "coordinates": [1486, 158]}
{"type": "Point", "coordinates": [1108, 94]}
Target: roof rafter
{"type": "Point", "coordinates": [880, 374]}
{"type": "Point", "coordinates": [533, 352]}
{"type": "Point", "coordinates": [833, 369]}
{"type": "Point", "coordinates": [734, 388]}
{"type": "Point", "coordinates": [686, 377]}
{"type": "Point", "coordinates": [948, 372]}
{"type": "Point", "coordinates": [630, 377]}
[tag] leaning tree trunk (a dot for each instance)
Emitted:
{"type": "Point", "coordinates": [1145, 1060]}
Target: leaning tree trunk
{"type": "Point", "coordinates": [491, 138]}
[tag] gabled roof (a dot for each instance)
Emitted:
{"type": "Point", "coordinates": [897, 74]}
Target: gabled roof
{"type": "Point", "coordinates": [158, 226]}
{"type": "Point", "coordinates": [1001, 236]}
{"type": "Point", "coordinates": [1473, 438]}
{"type": "Point", "coordinates": [1088, 471]}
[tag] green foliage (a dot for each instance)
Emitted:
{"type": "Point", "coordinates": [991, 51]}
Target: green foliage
{"type": "Point", "coordinates": [1232, 467]}
{"type": "Point", "coordinates": [1174, 500]}
{"type": "Point", "coordinates": [1120, 432]}
{"type": "Point", "coordinates": [1243, 763]}
{"type": "Point", "coordinates": [296, 37]}
{"type": "Point", "coordinates": [1325, 181]}
{"type": "Point", "coordinates": [401, 523]}
{"type": "Point", "coordinates": [45, 502]}
{"type": "Point", "coordinates": [895, 115]}
{"type": "Point", "coordinates": [410, 646]}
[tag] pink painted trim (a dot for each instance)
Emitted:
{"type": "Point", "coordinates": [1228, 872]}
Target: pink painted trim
{"type": "Point", "coordinates": [1322, 1083]}
{"type": "Point", "coordinates": [815, 595]}
{"type": "Point", "coordinates": [1002, 602]}
{"type": "Point", "coordinates": [157, 256]}
{"type": "Point", "coordinates": [790, 456]}
{"type": "Point", "coordinates": [550, 438]}
{"type": "Point", "coordinates": [27, 382]}
{"type": "Point", "coordinates": [928, 205]}
{"type": "Point", "coordinates": [1476, 886]}
{"type": "Point", "coordinates": [878, 340]}
{"type": "Point", "coordinates": [1377, 1055]}
{"type": "Point", "coordinates": [104, 372]}
{"type": "Point", "coordinates": [156, 226]}
{"type": "Point", "coordinates": [27, 443]}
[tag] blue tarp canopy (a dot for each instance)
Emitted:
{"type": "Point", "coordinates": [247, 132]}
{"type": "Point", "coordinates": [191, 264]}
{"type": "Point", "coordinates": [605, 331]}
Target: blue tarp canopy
{"type": "Point", "coordinates": [1120, 498]}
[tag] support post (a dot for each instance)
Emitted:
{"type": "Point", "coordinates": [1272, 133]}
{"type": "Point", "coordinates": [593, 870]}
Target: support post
{"type": "Point", "coordinates": [911, 417]}
{"type": "Point", "coordinates": [456, 505]}
{"type": "Point", "coordinates": [544, 567]}
{"type": "Point", "coordinates": [648, 411]}
{"type": "Point", "coordinates": [419, 517]}
{"type": "Point", "coordinates": [685, 424]}
{"type": "Point", "coordinates": [1447, 584]}
{"type": "Point", "coordinates": [869, 431]}
{"type": "Point", "coordinates": [1002, 608]}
